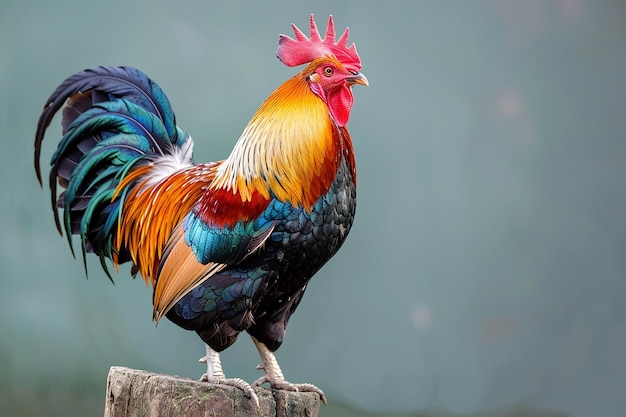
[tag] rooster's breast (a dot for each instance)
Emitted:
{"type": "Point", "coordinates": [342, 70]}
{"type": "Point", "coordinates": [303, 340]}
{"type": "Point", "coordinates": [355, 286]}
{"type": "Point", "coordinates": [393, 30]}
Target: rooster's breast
{"type": "Point", "coordinates": [304, 241]}
{"type": "Point", "coordinates": [301, 243]}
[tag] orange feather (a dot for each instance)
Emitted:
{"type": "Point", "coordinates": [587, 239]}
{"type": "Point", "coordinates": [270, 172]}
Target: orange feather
{"type": "Point", "coordinates": [151, 211]}
{"type": "Point", "coordinates": [180, 274]}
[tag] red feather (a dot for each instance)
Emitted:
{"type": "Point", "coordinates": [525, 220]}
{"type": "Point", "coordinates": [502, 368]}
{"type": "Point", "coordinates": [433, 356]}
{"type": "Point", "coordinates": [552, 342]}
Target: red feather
{"type": "Point", "coordinates": [222, 207]}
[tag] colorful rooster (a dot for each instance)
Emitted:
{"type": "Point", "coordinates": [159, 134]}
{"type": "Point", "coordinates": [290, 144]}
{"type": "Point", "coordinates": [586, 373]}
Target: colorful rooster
{"type": "Point", "coordinates": [229, 246]}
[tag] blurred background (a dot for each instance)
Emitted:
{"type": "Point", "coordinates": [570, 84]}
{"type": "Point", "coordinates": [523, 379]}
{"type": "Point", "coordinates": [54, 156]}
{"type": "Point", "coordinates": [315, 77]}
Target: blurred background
{"type": "Point", "coordinates": [486, 271]}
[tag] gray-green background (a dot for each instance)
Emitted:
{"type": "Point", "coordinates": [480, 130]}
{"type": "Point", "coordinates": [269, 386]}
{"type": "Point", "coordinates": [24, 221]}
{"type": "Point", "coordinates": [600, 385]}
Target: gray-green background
{"type": "Point", "coordinates": [486, 269]}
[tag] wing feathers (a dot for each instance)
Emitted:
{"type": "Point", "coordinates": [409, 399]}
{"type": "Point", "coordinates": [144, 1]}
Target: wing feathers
{"type": "Point", "coordinates": [179, 273]}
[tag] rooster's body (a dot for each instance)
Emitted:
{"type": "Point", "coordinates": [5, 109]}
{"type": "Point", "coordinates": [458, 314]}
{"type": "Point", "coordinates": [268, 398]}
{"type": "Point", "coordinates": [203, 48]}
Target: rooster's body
{"type": "Point", "coordinates": [231, 245]}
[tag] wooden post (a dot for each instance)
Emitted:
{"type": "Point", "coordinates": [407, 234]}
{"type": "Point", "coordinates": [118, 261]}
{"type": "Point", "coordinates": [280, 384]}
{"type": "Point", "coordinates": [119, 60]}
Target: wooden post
{"type": "Point", "coordinates": [134, 393]}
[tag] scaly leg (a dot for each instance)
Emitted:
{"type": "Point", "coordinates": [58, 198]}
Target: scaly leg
{"type": "Point", "coordinates": [274, 376]}
{"type": "Point", "coordinates": [215, 375]}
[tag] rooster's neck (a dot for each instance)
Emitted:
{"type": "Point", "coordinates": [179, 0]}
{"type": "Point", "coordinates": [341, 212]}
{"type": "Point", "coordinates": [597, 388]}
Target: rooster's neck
{"type": "Point", "coordinates": [291, 149]}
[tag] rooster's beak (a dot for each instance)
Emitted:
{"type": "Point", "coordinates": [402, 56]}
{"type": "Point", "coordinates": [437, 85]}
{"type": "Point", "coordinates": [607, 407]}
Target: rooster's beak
{"type": "Point", "coordinates": [358, 78]}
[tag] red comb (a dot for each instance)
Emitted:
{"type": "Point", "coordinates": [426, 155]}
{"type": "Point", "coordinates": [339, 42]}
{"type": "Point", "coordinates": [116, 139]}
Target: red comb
{"type": "Point", "coordinates": [302, 50]}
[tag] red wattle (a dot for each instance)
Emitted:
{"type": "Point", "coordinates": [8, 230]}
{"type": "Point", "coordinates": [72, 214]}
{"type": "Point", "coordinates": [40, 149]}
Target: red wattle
{"type": "Point", "coordinates": [340, 104]}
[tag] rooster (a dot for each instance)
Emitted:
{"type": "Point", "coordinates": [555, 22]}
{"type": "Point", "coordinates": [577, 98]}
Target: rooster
{"type": "Point", "coordinates": [228, 246]}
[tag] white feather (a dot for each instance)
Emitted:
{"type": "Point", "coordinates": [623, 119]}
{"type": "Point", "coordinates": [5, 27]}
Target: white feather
{"type": "Point", "coordinates": [164, 166]}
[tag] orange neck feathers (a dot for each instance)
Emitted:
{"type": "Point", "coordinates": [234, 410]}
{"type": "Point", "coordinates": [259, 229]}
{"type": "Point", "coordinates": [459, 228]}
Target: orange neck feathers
{"type": "Point", "coordinates": [290, 149]}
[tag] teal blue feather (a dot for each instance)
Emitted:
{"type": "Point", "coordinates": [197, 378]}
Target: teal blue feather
{"type": "Point", "coordinates": [227, 245]}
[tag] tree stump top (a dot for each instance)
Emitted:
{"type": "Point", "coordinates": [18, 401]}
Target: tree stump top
{"type": "Point", "coordinates": [135, 393]}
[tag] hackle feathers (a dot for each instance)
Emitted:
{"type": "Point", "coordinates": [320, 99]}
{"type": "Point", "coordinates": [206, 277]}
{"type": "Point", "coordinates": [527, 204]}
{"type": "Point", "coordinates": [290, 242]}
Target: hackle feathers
{"type": "Point", "coordinates": [287, 150]}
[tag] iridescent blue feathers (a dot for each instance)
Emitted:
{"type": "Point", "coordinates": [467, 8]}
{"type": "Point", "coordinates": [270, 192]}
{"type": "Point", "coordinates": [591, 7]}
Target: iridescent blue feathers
{"type": "Point", "coordinates": [224, 244]}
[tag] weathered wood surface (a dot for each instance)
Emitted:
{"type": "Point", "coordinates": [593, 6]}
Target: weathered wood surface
{"type": "Point", "coordinates": [134, 393]}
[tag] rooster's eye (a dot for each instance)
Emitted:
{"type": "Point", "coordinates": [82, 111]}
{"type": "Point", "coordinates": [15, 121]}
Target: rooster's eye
{"type": "Point", "coordinates": [328, 71]}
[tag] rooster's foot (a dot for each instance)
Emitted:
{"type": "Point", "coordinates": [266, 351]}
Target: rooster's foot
{"type": "Point", "coordinates": [289, 386]}
{"type": "Point", "coordinates": [274, 375]}
{"type": "Point", "coordinates": [248, 391]}
{"type": "Point", "coordinates": [215, 375]}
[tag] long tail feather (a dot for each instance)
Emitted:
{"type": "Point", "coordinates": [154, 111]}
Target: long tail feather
{"type": "Point", "coordinates": [106, 84]}
{"type": "Point", "coordinates": [115, 120]}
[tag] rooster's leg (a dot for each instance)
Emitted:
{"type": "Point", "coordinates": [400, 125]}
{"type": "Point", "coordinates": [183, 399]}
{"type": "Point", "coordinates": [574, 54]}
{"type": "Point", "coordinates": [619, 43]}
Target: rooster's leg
{"type": "Point", "coordinates": [274, 376]}
{"type": "Point", "coordinates": [215, 375]}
